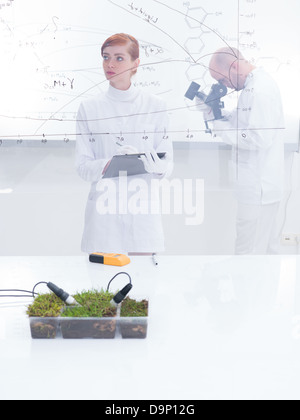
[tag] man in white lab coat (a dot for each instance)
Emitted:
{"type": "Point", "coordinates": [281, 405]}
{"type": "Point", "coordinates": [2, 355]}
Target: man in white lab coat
{"type": "Point", "coordinates": [254, 130]}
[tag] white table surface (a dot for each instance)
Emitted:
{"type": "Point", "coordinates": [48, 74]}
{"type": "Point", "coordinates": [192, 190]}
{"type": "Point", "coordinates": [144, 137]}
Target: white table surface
{"type": "Point", "coordinates": [219, 328]}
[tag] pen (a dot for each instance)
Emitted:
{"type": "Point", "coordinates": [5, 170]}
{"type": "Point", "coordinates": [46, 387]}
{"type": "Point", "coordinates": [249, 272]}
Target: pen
{"type": "Point", "coordinates": [154, 259]}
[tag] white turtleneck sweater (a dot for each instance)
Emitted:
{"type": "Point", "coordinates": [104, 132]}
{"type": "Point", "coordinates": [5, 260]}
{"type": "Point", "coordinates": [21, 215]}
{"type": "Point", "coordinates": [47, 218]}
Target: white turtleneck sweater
{"type": "Point", "coordinates": [137, 117]}
{"type": "Point", "coordinates": [134, 118]}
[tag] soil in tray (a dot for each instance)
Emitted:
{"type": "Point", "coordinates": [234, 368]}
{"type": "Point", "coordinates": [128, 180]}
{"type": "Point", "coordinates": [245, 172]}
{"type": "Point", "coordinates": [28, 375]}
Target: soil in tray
{"type": "Point", "coordinates": [85, 328]}
{"type": "Point", "coordinates": [134, 322]}
{"type": "Point", "coordinates": [44, 329]}
{"type": "Point", "coordinates": [133, 329]}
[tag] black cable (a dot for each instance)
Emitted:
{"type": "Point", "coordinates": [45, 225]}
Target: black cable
{"type": "Point", "coordinates": [30, 293]}
{"type": "Point", "coordinates": [117, 276]}
{"type": "Point", "coordinates": [33, 293]}
{"type": "Point", "coordinates": [41, 282]}
{"type": "Point", "coordinates": [16, 296]}
{"type": "Point", "coordinates": [17, 290]}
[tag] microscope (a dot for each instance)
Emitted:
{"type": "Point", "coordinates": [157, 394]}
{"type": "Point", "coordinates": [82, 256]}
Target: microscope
{"type": "Point", "coordinates": [213, 99]}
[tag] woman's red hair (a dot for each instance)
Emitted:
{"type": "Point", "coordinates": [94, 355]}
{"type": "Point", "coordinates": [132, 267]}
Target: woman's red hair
{"type": "Point", "coordinates": [123, 39]}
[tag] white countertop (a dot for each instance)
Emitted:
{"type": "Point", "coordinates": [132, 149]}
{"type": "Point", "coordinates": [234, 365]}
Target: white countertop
{"type": "Point", "coordinates": [219, 328]}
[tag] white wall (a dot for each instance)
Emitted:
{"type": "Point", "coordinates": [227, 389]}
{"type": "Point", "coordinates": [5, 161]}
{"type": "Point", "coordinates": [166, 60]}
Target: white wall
{"type": "Point", "coordinates": [43, 215]}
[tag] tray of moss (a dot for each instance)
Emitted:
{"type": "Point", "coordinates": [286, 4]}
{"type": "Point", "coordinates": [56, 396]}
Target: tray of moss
{"type": "Point", "coordinates": [95, 318]}
{"type": "Point", "coordinates": [133, 321]}
{"type": "Point", "coordinates": [44, 316]}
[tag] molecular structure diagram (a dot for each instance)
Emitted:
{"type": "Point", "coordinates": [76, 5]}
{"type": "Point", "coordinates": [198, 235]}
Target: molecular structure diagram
{"type": "Point", "coordinates": [195, 19]}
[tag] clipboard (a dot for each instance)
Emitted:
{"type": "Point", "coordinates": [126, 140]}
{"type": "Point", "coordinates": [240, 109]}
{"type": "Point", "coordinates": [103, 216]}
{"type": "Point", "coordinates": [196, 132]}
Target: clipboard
{"type": "Point", "coordinates": [132, 164]}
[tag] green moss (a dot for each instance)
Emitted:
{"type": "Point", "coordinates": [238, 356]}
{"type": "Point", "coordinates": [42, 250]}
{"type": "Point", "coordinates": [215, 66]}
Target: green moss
{"type": "Point", "coordinates": [94, 304]}
{"type": "Point", "coordinates": [45, 306]}
{"type": "Point", "coordinates": [133, 308]}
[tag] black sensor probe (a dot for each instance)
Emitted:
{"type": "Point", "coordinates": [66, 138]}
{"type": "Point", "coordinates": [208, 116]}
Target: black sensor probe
{"type": "Point", "coordinates": [64, 296]}
{"type": "Point", "coordinates": [121, 295]}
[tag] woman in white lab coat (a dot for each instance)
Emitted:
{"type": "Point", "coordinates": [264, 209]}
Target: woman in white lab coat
{"type": "Point", "coordinates": [122, 120]}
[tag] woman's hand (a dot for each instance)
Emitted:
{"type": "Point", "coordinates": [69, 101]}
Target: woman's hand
{"type": "Point", "coordinates": [154, 165]}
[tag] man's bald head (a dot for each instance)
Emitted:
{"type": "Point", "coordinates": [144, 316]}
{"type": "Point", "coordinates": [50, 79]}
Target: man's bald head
{"type": "Point", "coordinates": [229, 67]}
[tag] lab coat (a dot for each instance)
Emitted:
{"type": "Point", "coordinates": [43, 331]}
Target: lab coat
{"type": "Point", "coordinates": [255, 132]}
{"type": "Point", "coordinates": [134, 118]}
